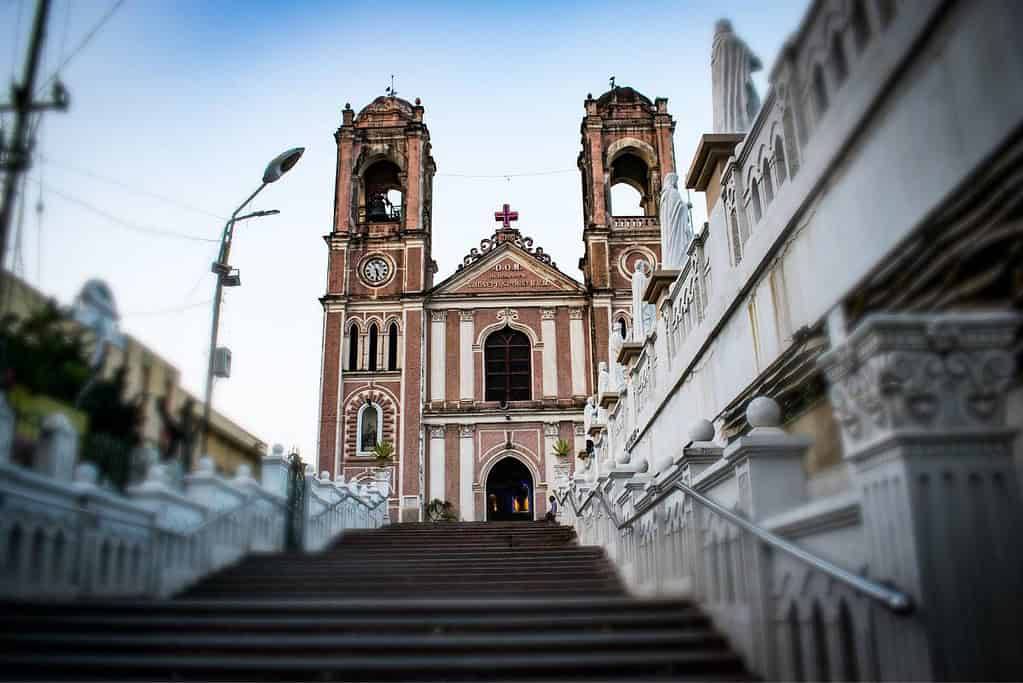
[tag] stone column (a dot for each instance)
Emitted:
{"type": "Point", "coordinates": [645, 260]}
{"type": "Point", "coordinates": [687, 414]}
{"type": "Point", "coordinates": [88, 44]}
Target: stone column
{"type": "Point", "coordinates": [436, 471]}
{"type": "Point", "coordinates": [438, 349]}
{"type": "Point", "coordinates": [550, 435]}
{"type": "Point", "coordinates": [466, 364]}
{"type": "Point", "coordinates": [57, 449]}
{"type": "Point", "coordinates": [548, 333]}
{"type": "Point", "coordinates": [466, 472]}
{"type": "Point", "coordinates": [578, 351]}
{"type": "Point", "coordinates": [920, 400]}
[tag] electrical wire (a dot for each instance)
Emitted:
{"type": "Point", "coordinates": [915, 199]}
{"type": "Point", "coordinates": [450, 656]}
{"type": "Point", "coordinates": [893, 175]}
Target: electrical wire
{"type": "Point", "coordinates": [167, 311]}
{"type": "Point", "coordinates": [130, 188]}
{"type": "Point", "coordinates": [81, 45]}
{"type": "Point", "coordinates": [128, 225]}
{"type": "Point", "coordinates": [510, 175]}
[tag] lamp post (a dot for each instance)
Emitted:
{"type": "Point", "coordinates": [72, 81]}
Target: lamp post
{"type": "Point", "coordinates": [280, 165]}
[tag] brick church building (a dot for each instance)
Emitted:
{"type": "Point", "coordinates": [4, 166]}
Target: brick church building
{"type": "Point", "coordinates": [476, 376]}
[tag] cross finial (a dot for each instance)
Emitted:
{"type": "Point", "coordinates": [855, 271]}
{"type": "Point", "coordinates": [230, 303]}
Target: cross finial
{"type": "Point", "coordinates": [505, 216]}
{"type": "Point", "coordinates": [612, 80]}
{"type": "Point", "coordinates": [390, 90]}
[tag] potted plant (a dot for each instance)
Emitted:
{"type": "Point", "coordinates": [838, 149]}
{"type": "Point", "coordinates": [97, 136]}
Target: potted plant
{"type": "Point", "coordinates": [383, 454]}
{"type": "Point", "coordinates": [562, 448]}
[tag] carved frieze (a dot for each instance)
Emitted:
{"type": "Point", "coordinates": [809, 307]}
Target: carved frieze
{"type": "Point", "coordinates": [906, 373]}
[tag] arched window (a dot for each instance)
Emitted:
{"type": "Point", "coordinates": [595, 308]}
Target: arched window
{"type": "Point", "coordinates": [779, 159]}
{"type": "Point", "coordinates": [506, 357]}
{"type": "Point", "coordinates": [820, 91]}
{"type": "Point", "coordinates": [371, 362]}
{"type": "Point", "coordinates": [631, 194]}
{"type": "Point", "coordinates": [792, 152]}
{"type": "Point", "coordinates": [860, 25]}
{"type": "Point", "coordinates": [353, 347]}
{"type": "Point", "coordinates": [623, 328]}
{"type": "Point", "coordinates": [392, 347]}
{"type": "Point", "coordinates": [839, 67]}
{"type": "Point", "coordinates": [736, 243]}
{"type": "Point", "coordinates": [758, 210]}
{"type": "Point", "coordinates": [768, 185]}
{"type": "Point", "coordinates": [369, 428]}
{"type": "Point", "coordinates": [381, 200]}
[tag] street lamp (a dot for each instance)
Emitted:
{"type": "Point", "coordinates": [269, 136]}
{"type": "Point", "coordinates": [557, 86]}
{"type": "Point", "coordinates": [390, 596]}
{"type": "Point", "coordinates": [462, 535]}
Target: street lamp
{"type": "Point", "coordinates": [228, 277]}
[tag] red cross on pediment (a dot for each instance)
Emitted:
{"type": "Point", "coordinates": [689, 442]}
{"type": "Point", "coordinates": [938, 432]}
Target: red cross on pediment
{"type": "Point", "coordinates": [505, 216]}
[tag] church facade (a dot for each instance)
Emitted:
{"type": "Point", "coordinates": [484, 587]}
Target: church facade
{"type": "Point", "coordinates": [479, 381]}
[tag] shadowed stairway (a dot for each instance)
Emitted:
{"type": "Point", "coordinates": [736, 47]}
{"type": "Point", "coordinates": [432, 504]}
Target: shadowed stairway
{"type": "Point", "coordinates": [468, 601]}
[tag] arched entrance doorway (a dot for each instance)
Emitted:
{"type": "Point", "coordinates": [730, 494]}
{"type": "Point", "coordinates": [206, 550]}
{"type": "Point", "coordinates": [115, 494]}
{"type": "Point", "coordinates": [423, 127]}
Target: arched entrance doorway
{"type": "Point", "coordinates": [509, 492]}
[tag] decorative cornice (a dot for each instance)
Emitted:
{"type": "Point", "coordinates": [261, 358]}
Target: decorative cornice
{"type": "Point", "coordinates": [628, 352]}
{"type": "Point", "coordinates": [500, 237]}
{"type": "Point", "coordinates": [659, 282]}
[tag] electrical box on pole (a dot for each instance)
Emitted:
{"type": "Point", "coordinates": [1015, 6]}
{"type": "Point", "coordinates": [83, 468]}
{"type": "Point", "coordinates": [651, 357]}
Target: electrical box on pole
{"type": "Point", "coordinates": [222, 362]}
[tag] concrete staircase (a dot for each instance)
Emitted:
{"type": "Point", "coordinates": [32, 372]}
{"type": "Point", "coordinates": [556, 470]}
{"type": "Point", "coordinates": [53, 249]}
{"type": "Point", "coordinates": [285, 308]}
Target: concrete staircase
{"type": "Point", "coordinates": [460, 601]}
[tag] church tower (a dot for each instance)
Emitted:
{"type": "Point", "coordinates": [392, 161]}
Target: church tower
{"type": "Point", "coordinates": [379, 268]}
{"type": "Point", "coordinates": [627, 139]}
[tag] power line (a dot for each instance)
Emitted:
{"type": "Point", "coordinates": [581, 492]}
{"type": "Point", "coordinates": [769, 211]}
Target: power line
{"type": "Point", "coordinates": [168, 311]}
{"type": "Point", "coordinates": [128, 225]}
{"type": "Point", "coordinates": [83, 43]}
{"type": "Point", "coordinates": [130, 188]}
{"type": "Point", "coordinates": [510, 175]}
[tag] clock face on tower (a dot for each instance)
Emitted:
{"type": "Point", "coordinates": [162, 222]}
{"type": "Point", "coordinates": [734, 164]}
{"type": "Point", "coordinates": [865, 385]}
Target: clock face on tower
{"type": "Point", "coordinates": [376, 270]}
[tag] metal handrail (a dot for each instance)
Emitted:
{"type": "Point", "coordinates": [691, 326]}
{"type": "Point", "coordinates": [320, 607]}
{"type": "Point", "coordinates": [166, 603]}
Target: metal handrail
{"type": "Point", "coordinates": [894, 599]}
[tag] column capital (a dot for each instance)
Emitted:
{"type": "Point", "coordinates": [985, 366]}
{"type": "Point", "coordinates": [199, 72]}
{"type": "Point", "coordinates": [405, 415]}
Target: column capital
{"type": "Point", "coordinates": [906, 374]}
{"type": "Point", "coordinates": [438, 316]}
{"type": "Point", "coordinates": [550, 429]}
{"type": "Point", "coordinates": [436, 431]}
{"type": "Point", "coordinates": [466, 431]}
{"type": "Point", "coordinates": [466, 316]}
{"type": "Point", "coordinates": [547, 313]}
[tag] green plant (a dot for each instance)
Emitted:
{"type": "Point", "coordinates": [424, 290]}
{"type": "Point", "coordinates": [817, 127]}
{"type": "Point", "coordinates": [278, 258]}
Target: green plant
{"type": "Point", "coordinates": [562, 448]}
{"type": "Point", "coordinates": [383, 453]}
{"type": "Point", "coordinates": [441, 511]}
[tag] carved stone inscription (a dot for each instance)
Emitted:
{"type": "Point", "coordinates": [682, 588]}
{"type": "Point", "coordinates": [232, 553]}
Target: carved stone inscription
{"type": "Point", "coordinates": [510, 276]}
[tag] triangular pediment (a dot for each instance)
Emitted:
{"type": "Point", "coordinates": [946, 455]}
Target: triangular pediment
{"type": "Point", "coordinates": [508, 269]}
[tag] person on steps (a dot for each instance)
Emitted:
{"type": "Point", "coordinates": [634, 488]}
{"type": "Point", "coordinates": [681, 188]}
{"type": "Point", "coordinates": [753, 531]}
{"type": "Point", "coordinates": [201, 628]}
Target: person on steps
{"type": "Point", "coordinates": [552, 511]}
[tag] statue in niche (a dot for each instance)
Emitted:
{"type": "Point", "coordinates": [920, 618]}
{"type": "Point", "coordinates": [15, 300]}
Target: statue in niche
{"type": "Point", "coordinates": [732, 64]}
{"type": "Point", "coordinates": [676, 223]}
{"type": "Point", "coordinates": [642, 313]}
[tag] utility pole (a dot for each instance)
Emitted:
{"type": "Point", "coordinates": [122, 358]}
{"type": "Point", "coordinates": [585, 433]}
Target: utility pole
{"type": "Point", "coordinates": [15, 157]}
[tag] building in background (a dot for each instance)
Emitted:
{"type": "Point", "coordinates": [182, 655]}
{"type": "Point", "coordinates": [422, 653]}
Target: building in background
{"type": "Point", "coordinates": [149, 378]}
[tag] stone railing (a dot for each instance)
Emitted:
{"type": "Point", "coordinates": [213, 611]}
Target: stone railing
{"type": "Point", "coordinates": [861, 584]}
{"type": "Point", "coordinates": [62, 536]}
{"type": "Point", "coordinates": [336, 506]}
{"type": "Point", "coordinates": [634, 222]}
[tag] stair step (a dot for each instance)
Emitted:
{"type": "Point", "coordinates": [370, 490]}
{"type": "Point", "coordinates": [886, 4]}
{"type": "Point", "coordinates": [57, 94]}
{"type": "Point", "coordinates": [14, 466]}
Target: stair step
{"type": "Point", "coordinates": [617, 620]}
{"type": "Point", "coordinates": [694, 663]}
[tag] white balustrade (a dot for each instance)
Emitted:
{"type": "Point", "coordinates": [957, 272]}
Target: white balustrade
{"type": "Point", "coordinates": [65, 537]}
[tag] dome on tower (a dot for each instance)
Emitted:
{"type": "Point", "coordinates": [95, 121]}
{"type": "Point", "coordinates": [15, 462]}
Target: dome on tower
{"type": "Point", "coordinates": [622, 95]}
{"type": "Point", "coordinates": [387, 106]}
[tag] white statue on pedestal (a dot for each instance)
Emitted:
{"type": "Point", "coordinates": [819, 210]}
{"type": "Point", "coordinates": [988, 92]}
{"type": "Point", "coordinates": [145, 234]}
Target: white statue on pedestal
{"type": "Point", "coordinates": [731, 64]}
{"type": "Point", "coordinates": [642, 313]}
{"type": "Point", "coordinates": [603, 379]}
{"type": "Point", "coordinates": [676, 223]}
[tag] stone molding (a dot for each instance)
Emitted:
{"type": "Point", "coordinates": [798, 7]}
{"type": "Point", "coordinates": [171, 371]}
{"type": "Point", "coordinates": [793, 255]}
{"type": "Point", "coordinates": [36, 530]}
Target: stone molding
{"type": "Point", "coordinates": [899, 374]}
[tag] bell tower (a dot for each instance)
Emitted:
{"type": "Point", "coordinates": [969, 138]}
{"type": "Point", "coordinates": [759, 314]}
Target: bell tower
{"type": "Point", "coordinates": [379, 268]}
{"type": "Point", "coordinates": [627, 139]}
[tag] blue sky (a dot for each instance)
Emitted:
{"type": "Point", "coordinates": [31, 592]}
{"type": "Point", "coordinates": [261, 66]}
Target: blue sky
{"type": "Point", "coordinates": [189, 100]}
